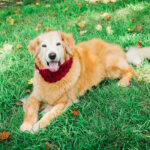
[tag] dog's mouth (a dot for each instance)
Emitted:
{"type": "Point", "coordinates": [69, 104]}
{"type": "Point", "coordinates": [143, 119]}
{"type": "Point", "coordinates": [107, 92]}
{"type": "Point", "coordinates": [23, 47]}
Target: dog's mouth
{"type": "Point", "coordinates": [53, 65]}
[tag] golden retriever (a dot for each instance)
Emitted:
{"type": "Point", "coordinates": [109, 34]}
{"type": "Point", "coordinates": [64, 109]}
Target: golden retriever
{"type": "Point", "coordinates": [92, 62]}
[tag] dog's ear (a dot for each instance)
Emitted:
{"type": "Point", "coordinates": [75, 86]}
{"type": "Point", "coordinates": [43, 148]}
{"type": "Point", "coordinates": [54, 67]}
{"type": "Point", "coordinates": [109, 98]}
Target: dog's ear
{"type": "Point", "coordinates": [68, 42]}
{"type": "Point", "coordinates": [33, 46]}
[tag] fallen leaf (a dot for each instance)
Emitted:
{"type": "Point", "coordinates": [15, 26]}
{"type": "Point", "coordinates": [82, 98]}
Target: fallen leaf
{"type": "Point", "coordinates": [28, 20]}
{"type": "Point", "coordinates": [19, 3]}
{"type": "Point", "coordinates": [37, 4]}
{"type": "Point", "coordinates": [82, 32]}
{"type": "Point", "coordinates": [93, 1]}
{"type": "Point", "coordinates": [4, 135]}
{"type": "Point", "coordinates": [81, 25]}
{"type": "Point", "coordinates": [109, 30]}
{"type": "Point", "coordinates": [99, 27]}
{"type": "Point", "coordinates": [12, 21]}
{"type": "Point", "coordinates": [48, 29]}
{"type": "Point", "coordinates": [79, 5]}
{"type": "Point", "coordinates": [134, 19]}
{"type": "Point", "coordinates": [18, 46]}
{"type": "Point", "coordinates": [19, 103]}
{"type": "Point", "coordinates": [4, 32]}
{"type": "Point", "coordinates": [17, 11]}
{"type": "Point", "coordinates": [7, 47]}
{"type": "Point", "coordinates": [139, 44]}
{"type": "Point", "coordinates": [88, 5]}
{"type": "Point", "coordinates": [66, 9]}
{"type": "Point", "coordinates": [112, 1]}
{"type": "Point", "coordinates": [69, 27]}
{"type": "Point", "coordinates": [49, 146]}
{"type": "Point", "coordinates": [16, 36]}
{"type": "Point", "coordinates": [30, 81]}
{"type": "Point", "coordinates": [104, 1]}
{"type": "Point", "coordinates": [75, 112]}
{"type": "Point", "coordinates": [47, 5]}
{"type": "Point", "coordinates": [106, 16]}
{"type": "Point", "coordinates": [139, 27]}
{"type": "Point", "coordinates": [38, 27]}
{"type": "Point", "coordinates": [28, 91]}
{"type": "Point", "coordinates": [130, 29]}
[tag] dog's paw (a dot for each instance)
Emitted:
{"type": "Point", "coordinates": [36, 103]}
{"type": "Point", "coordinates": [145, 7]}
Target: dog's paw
{"type": "Point", "coordinates": [26, 127]}
{"type": "Point", "coordinates": [36, 127]}
{"type": "Point", "coordinates": [123, 83]}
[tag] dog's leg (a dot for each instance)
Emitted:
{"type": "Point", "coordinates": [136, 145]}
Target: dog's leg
{"type": "Point", "coordinates": [126, 77]}
{"type": "Point", "coordinates": [126, 73]}
{"type": "Point", "coordinates": [49, 116]}
{"type": "Point", "coordinates": [31, 113]}
{"type": "Point", "coordinates": [119, 68]}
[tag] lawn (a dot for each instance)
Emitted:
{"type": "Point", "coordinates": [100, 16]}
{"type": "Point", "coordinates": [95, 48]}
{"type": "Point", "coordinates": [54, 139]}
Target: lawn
{"type": "Point", "coordinates": [110, 117]}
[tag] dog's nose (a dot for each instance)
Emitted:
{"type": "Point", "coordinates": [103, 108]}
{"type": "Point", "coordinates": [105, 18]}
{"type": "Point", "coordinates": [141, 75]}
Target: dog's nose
{"type": "Point", "coordinates": [52, 56]}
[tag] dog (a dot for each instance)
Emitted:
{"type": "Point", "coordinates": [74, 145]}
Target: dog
{"type": "Point", "coordinates": [137, 55]}
{"type": "Point", "coordinates": [64, 71]}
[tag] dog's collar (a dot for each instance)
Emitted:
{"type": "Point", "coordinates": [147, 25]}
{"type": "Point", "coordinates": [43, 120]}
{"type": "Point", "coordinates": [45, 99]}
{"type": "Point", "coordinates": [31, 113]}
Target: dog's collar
{"type": "Point", "coordinates": [51, 77]}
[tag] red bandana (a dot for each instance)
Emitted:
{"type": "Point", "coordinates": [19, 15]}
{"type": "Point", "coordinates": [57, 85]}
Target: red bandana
{"type": "Point", "coordinates": [58, 75]}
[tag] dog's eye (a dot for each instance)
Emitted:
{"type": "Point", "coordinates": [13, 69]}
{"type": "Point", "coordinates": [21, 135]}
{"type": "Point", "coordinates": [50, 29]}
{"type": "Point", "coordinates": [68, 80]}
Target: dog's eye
{"type": "Point", "coordinates": [58, 43]}
{"type": "Point", "coordinates": [44, 45]}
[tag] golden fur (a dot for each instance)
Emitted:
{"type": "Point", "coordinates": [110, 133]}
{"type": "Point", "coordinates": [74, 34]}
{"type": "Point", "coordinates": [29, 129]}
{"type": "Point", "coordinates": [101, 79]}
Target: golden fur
{"type": "Point", "coordinates": [93, 61]}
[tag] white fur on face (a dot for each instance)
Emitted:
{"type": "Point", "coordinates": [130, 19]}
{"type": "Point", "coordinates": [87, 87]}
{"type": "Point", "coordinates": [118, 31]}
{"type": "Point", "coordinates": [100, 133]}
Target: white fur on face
{"type": "Point", "coordinates": [50, 40]}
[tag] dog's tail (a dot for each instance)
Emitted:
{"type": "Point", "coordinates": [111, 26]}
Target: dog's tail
{"type": "Point", "coordinates": [137, 55]}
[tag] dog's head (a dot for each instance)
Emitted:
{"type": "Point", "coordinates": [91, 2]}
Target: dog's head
{"type": "Point", "coordinates": [52, 49]}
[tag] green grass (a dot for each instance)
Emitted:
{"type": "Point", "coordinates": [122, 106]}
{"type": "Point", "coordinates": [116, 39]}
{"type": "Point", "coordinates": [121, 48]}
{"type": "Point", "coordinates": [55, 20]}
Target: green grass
{"type": "Point", "coordinates": [110, 117]}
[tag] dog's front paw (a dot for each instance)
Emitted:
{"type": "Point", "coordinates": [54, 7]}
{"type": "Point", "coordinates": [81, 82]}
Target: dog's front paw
{"type": "Point", "coordinates": [26, 127]}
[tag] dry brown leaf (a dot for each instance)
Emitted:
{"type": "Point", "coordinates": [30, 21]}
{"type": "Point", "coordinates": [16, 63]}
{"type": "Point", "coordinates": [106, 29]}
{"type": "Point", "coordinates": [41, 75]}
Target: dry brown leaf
{"type": "Point", "coordinates": [93, 1]}
{"type": "Point", "coordinates": [81, 25]}
{"type": "Point", "coordinates": [139, 44]}
{"type": "Point", "coordinates": [139, 27]}
{"type": "Point", "coordinates": [66, 9]}
{"type": "Point", "coordinates": [82, 32]}
{"type": "Point", "coordinates": [112, 1]}
{"type": "Point", "coordinates": [28, 20]}
{"type": "Point", "coordinates": [79, 5]}
{"type": "Point", "coordinates": [12, 21]}
{"type": "Point", "coordinates": [16, 36]}
{"type": "Point", "coordinates": [106, 16]}
{"type": "Point", "coordinates": [37, 4]}
{"type": "Point", "coordinates": [69, 27]}
{"type": "Point", "coordinates": [130, 29]}
{"type": "Point", "coordinates": [48, 146]}
{"type": "Point", "coordinates": [19, 3]}
{"type": "Point", "coordinates": [109, 30]}
{"type": "Point", "coordinates": [18, 46]}
{"type": "Point", "coordinates": [19, 103]}
{"type": "Point", "coordinates": [48, 29]}
{"type": "Point", "coordinates": [28, 91]}
{"type": "Point", "coordinates": [7, 47]}
{"type": "Point", "coordinates": [47, 5]}
{"type": "Point", "coordinates": [17, 11]}
{"type": "Point", "coordinates": [4, 135]}
{"type": "Point", "coordinates": [3, 32]}
{"type": "Point", "coordinates": [75, 112]}
{"type": "Point", "coordinates": [38, 27]}
{"type": "Point", "coordinates": [30, 81]}
{"type": "Point", "coordinates": [99, 27]}
{"type": "Point", "coordinates": [134, 19]}
{"type": "Point", "coordinates": [88, 5]}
